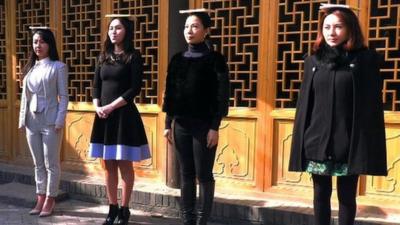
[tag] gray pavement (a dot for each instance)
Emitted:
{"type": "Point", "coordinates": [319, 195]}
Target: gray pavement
{"type": "Point", "coordinates": [73, 212]}
{"type": "Point", "coordinates": [17, 197]}
{"type": "Point", "coordinates": [16, 200]}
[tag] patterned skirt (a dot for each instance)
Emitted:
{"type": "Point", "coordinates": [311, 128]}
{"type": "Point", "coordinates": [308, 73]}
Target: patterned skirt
{"type": "Point", "coordinates": [328, 168]}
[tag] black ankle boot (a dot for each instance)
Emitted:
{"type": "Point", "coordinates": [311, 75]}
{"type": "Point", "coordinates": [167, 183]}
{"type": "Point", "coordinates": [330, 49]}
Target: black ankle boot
{"type": "Point", "coordinates": [206, 198]}
{"type": "Point", "coordinates": [123, 215]}
{"type": "Point", "coordinates": [188, 202]}
{"type": "Point", "coordinates": [112, 214]}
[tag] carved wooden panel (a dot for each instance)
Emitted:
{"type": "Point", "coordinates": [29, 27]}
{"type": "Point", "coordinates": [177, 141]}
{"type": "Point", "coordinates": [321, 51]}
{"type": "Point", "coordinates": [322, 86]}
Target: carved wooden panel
{"type": "Point", "coordinates": [383, 32]}
{"type": "Point", "coordinates": [29, 13]}
{"type": "Point", "coordinates": [146, 40]}
{"type": "Point", "coordinates": [283, 139]}
{"type": "Point", "coordinates": [150, 126]}
{"type": "Point", "coordinates": [3, 62]}
{"type": "Point", "coordinates": [81, 45]}
{"type": "Point", "coordinates": [3, 132]}
{"type": "Point", "coordinates": [297, 30]}
{"type": "Point", "coordinates": [389, 185]}
{"type": "Point", "coordinates": [78, 128]}
{"type": "Point", "coordinates": [235, 33]}
{"type": "Point", "coordinates": [235, 156]}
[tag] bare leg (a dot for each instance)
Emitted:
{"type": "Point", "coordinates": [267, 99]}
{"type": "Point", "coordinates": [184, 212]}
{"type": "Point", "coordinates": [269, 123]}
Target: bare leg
{"type": "Point", "coordinates": [111, 175]}
{"type": "Point", "coordinates": [128, 177]}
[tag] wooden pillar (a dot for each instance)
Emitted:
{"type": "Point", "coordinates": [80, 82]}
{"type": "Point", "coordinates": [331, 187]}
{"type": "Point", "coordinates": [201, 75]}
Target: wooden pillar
{"type": "Point", "coordinates": [11, 77]}
{"type": "Point", "coordinates": [176, 43]}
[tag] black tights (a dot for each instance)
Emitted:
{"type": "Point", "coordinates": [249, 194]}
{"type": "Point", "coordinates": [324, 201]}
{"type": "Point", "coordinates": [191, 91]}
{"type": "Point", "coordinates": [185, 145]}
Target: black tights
{"type": "Point", "coordinates": [195, 159]}
{"type": "Point", "coordinates": [346, 191]}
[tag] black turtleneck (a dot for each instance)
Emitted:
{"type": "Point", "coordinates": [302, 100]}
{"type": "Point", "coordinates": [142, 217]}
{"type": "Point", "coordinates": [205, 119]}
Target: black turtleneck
{"type": "Point", "coordinates": [197, 50]}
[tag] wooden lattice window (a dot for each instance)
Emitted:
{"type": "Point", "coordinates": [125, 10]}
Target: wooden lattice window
{"type": "Point", "coordinates": [81, 45]}
{"type": "Point", "coordinates": [384, 36]}
{"type": "Point", "coordinates": [29, 13]}
{"type": "Point", "coordinates": [297, 30]}
{"type": "Point", "coordinates": [3, 64]}
{"type": "Point", "coordinates": [235, 33]}
{"type": "Point", "coordinates": [145, 40]}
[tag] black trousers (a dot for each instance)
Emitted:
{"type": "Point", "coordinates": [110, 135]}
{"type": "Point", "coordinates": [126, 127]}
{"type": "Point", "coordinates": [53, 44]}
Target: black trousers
{"type": "Point", "coordinates": [346, 191]}
{"type": "Point", "coordinates": [195, 159]}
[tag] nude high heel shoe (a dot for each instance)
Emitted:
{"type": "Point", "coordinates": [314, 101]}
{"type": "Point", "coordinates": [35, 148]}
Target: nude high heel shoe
{"type": "Point", "coordinates": [48, 207]}
{"type": "Point", "coordinates": [39, 205]}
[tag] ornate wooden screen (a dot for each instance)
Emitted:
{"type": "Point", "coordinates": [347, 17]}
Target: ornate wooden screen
{"type": "Point", "coordinates": [297, 30]}
{"type": "Point", "coordinates": [29, 13]}
{"type": "Point", "coordinates": [236, 34]}
{"type": "Point", "coordinates": [81, 23]}
{"type": "Point", "coordinates": [4, 134]}
{"type": "Point", "coordinates": [383, 32]}
{"type": "Point", "coordinates": [146, 40]}
{"type": "Point", "coordinates": [3, 75]}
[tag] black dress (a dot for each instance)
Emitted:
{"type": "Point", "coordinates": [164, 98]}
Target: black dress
{"type": "Point", "coordinates": [121, 136]}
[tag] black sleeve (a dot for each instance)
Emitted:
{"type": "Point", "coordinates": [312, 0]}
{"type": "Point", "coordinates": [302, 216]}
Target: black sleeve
{"type": "Point", "coordinates": [136, 69]}
{"type": "Point", "coordinates": [223, 91]}
{"type": "Point", "coordinates": [168, 122]}
{"type": "Point", "coordinates": [168, 93]}
{"type": "Point", "coordinates": [97, 83]}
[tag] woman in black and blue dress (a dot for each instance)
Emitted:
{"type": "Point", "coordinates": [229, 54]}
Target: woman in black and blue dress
{"type": "Point", "coordinates": [196, 99]}
{"type": "Point", "coordinates": [339, 126]}
{"type": "Point", "coordinates": [118, 135]}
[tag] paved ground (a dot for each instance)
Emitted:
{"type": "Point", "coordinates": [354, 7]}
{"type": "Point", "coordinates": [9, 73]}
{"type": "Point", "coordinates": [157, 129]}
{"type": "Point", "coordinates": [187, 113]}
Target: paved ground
{"type": "Point", "coordinates": [16, 201]}
{"type": "Point", "coordinates": [68, 212]}
{"type": "Point", "coordinates": [73, 212]}
{"type": "Point", "coordinates": [17, 195]}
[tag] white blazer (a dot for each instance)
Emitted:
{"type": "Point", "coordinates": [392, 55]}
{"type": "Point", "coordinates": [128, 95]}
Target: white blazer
{"type": "Point", "coordinates": [56, 94]}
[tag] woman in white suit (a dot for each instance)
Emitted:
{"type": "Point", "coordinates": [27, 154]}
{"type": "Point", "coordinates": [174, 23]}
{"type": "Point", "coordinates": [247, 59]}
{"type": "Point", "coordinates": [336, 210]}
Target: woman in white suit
{"type": "Point", "coordinates": [43, 109]}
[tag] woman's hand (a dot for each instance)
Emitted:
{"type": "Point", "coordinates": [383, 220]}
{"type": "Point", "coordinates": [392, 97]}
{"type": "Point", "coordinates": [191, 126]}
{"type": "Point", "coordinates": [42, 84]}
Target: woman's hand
{"type": "Point", "coordinates": [100, 112]}
{"type": "Point", "coordinates": [168, 135]}
{"type": "Point", "coordinates": [212, 138]}
{"type": "Point", "coordinates": [105, 110]}
{"type": "Point", "coordinates": [108, 109]}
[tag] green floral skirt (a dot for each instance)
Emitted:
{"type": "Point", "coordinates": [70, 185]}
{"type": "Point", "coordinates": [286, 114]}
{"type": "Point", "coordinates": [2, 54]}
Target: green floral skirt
{"type": "Point", "coordinates": [327, 168]}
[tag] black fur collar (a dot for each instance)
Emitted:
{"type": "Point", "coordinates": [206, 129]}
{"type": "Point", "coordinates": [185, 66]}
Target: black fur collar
{"type": "Point", "coordinates": [332, 58]}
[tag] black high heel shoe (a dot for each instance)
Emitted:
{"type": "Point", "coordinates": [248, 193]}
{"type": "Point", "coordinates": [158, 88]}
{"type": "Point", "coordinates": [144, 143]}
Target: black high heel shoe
{"type": "Point", "coordinates": [112, 215]}
{"type": "Point", "coordinates": [123, 216]}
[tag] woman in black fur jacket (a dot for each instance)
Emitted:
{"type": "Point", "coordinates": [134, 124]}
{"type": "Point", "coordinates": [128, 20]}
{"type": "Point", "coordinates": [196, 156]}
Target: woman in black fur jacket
{"type": "Point", "coordinates": [339, 126]}
{"type": "Point", "coordinates": [196, 99]}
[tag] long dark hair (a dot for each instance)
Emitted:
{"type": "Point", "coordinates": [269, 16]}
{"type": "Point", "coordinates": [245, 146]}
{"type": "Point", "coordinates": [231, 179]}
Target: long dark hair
{"type": "Point", "coordinates": [355, 39]}
{"type": "Point", "coordinates": [207, 23]}
{"type": "Point", "coordinates": [48, 38]}
{"type": "Point", "coordinates": [108, 52]}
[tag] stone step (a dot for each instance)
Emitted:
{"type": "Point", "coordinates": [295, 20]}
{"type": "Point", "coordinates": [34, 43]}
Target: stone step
{"type": "Point", "coordinates": [23, 194]}
{"type": "Point", "coordinates": [228, 208]}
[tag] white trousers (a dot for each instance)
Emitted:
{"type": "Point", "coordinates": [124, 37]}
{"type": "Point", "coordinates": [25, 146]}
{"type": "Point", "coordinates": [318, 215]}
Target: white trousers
{"type": "Point", "coordinates": [44, 143]}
